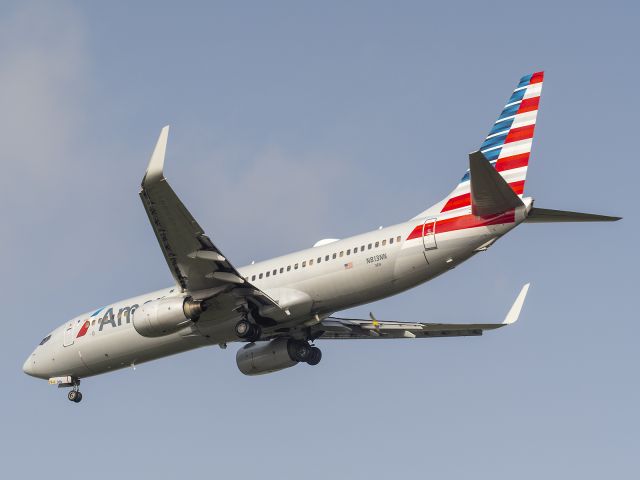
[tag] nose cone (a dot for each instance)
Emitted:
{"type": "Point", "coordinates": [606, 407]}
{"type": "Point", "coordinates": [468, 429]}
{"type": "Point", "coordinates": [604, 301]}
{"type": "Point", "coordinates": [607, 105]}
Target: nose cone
{"type": "Point", "coordinates": [29, 366]}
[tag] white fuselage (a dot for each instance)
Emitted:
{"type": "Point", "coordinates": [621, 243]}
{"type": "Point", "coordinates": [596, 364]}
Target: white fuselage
{"type": "Point", "coordinates": [311, 283]}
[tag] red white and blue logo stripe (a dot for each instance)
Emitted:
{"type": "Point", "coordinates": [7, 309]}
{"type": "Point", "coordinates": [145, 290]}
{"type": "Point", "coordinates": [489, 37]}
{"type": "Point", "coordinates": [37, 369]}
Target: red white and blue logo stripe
{"type": "Point", "coordinates": [507, 147]}
{"type": "Point", "coordinates": [508, 144]}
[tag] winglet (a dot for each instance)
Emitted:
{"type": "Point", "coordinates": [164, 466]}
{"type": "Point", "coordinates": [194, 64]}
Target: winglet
{"type": "Point", "coordinates": [514, 313]}
{"type": "Point", "coordinates": [156, 164]}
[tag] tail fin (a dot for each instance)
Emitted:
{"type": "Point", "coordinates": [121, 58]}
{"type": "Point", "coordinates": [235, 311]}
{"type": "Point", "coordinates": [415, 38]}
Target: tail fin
{"type": "Point", "coordinates": [508, 144]}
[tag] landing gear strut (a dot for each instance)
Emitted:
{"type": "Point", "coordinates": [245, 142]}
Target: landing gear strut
{"type": "Point", "coordinates": [75, 395]}
{"type": "Point", "coordinates": [248, 331]}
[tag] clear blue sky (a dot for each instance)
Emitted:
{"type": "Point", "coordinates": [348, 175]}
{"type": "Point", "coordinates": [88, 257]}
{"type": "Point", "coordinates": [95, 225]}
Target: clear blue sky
{"type": "Point", "coordinates": [296, 121]}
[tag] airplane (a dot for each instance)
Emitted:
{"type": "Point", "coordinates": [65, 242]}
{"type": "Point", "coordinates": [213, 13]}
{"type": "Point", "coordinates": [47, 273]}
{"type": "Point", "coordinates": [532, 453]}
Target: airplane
{"type": "Point", "coordinates": [280, 307]}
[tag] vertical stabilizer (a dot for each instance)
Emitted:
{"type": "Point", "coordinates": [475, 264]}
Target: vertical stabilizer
{"type": "Point", "coordinates": [508, 144]}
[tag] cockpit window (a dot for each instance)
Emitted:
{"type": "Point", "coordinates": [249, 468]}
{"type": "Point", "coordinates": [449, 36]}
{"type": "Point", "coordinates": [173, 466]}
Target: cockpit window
{"type": "Point", "coordinates": [45, 339]}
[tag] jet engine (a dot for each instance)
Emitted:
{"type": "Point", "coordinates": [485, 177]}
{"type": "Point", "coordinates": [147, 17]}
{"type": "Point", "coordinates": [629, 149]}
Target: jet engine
{"type": "Point", "coordinates": [267, 357]}
{"type": "Point", "coordinates": [165, 316]}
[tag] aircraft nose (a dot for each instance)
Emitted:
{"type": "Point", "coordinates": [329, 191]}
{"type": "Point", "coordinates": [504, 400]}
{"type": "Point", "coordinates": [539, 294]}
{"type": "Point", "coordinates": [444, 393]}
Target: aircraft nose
{"type": "Point", "coordinates": [29, 365]}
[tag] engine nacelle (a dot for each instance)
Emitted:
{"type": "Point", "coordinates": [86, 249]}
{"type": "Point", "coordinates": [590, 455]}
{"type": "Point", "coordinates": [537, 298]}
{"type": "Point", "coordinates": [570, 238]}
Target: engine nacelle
{"type": "Point", "coordinates": [266, 357]}
{"type": "Point", "coordinates": [165, 316]}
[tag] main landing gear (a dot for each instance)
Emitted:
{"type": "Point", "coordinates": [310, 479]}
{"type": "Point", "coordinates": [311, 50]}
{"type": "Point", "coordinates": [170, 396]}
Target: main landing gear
{"type": "Point", "coordinates": [248, 331]}
{"type": "Point", "coordinates": [298, 350]}
{"type": "Point", "coordinates": [301, 351]}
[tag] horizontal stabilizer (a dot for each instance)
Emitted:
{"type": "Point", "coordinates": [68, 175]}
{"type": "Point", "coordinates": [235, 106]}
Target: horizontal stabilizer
{"type": "Point", "coordinates": [490, 193]}
{"type": "Point", "coordinates": [546, 215]}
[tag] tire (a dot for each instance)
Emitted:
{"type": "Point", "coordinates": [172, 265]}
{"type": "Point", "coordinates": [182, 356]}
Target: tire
{"type": "Point", "coordinates": [255, 333]}
{"type": "Point", "coordinates": [299, 351]}
{"type": "Point", "coordinates": [243, 328]}
{"type": "Point", "coordinates": [72, 395]}
{"type": "Point", "coordinates": [78, 397]}
{"type": "Point", "coordinates": [315, 356]}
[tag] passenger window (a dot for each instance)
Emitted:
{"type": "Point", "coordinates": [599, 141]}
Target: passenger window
{"type": "Point", "coordinates": [355, 250]}
{"type": "Point", "coordinates": [369, 246]}
{"type": "Point", "coordinates": [326, 259]}
{"type": "Point", "coordinates": [281, 269]}
{"type": "Point", "coordinates": [268, 273]}
{"type": "Point", "coordinates": [377, 244]}
{"type": "Point", "coordinates": [295, 267]}
{"type": "Point", "coordinates": [384, 242]}
{"type": "Point", "coordinates": [260, 276]}
{"type": "Point", "coordinates": [362, 248]}
{"type": "Point", "coordinates": [348, 251]}
{"type": "Point", "coordinates": [304, 264]}
{"type": "Point", "coordinates": [342, 253]}
{"type": "Point", "coordinates": [253, 277]}
{"type": "Point", "coordinates": [391, 241]}
{"type": "Point", "coordinates": [319, 259]}
{"type": "Point", "coordinates": [398, 238]}
{"type": "Point", "coordinates": [334, 256]}
{"type": "Point", "coordinates": [288, 268]}
{"type": "Point", "coordinates": [275, 271]}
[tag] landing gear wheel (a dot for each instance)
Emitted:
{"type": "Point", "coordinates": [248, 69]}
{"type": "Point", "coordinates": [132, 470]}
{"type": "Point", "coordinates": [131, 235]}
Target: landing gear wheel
{"type": "Point", "coordinates": [242, 328]}
{"type": "Point", "coordinates": [74, 396]}
{"type": "Point", "coordinates": [299, 351]}
{"type": "Point", "coordinates": [247, 330]}
{"type": "Point", "coordinates": [315, 356]}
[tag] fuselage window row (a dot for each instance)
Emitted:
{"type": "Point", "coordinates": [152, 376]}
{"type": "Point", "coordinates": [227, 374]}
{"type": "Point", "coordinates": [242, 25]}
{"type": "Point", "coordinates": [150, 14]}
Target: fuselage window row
{"type": "Point", "coordinates": [333, 256]}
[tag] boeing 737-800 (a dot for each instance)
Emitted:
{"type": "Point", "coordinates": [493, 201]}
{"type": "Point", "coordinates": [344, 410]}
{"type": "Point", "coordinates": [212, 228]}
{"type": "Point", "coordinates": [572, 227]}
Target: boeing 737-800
{"type": "Point", "coordinates": [280, 307]}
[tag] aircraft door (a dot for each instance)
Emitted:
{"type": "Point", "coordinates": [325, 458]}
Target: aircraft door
{"type": "Point", "coordinates": [429, 234]}
{"type": "Point", "coordinates": [68, 336]}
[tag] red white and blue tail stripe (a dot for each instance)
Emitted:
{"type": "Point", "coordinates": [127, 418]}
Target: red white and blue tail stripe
{"type": "Point", "coordinates": [508, 144]}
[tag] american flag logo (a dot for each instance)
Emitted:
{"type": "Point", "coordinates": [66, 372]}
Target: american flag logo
{"type": "Point", "coordinates": [349, 265]}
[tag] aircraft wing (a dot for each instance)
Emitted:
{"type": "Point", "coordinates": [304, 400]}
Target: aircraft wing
{"type": "Point", "coordinates": [196, 264]}
{"type": "Point", "coordinates": [346, 328]}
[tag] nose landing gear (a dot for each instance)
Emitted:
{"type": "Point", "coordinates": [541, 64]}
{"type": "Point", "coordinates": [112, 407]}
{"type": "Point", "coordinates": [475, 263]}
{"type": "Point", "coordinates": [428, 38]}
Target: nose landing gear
{"type": "Point", "coordinates": [75, 396]}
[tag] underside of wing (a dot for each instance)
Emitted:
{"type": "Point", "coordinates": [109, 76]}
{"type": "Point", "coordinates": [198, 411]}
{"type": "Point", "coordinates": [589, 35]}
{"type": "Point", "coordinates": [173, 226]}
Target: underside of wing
{"type": "Point", "coordinates": [342, 328]}
{"type": "Point", "coordinates": [345, 328]}
{"type": "Point", "coordinates": [196, 264]}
